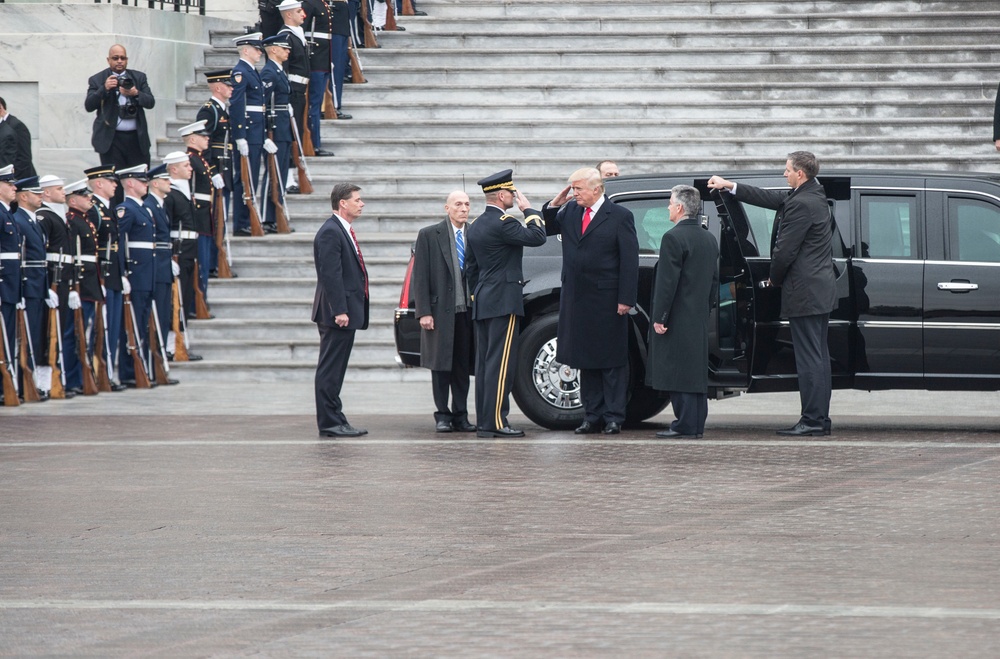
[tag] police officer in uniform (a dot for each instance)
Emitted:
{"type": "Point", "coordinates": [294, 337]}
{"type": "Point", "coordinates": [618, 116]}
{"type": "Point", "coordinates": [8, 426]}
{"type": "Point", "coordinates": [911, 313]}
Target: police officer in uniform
{"type": "Point", "coordinates": [277, 90]}
{"type": "Point", "coordinates": [81, 240]}
{"type": "Point", "coordinates": [137, 240]}
{"type": "Point", "coordinates": [220, 148]}
{"type": "Point", "coordinates": [246, 112]}
{"type": "Point", "coordinates": [496, 242]}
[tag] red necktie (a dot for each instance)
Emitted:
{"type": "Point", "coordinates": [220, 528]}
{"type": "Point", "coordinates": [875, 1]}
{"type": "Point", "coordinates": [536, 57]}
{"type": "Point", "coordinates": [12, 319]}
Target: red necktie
{"type": "Point", "coordinates": [360, 258]}
{"type": "Point", "coordinates": [586, 221]}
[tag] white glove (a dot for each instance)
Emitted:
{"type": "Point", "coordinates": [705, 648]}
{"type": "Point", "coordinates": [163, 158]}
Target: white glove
{"type": "Point", "coordinates": [74, 300]}
{"type": "Point", "coordinates": [175, 268]}
{"type": "Point", "coordinates": [126, 287]}
{"type": "Point", "coordinates": [270, 146]}
{"type": "Point", "coordinates": [53, 300]}
{"type": "Point", "coordinates": [243, 147]}
{"type": "Point", "coordinates": [218, 181]}
{"type": "Point", "coordinates": [21, 305]}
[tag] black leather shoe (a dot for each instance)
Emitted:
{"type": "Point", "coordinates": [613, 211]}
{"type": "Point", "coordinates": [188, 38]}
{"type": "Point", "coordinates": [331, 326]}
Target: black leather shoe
{"type": "Point", "coordinates": [68, 393]}
{"type": "Point", "coordinates": [77, 391]}
{"type": "Point", "coordinates": [500, 432]}
{"type": "Point", "coordinates": [292, 189]}
{"type": "Point", "coordinates": [213, 274]}
{"type": "Point", "coordinates": [462, 425]}
{"type": "Point", "coordinates": [128, 383]}
{"type": "Point", "coordinates": [419, 13]}
{"type": "Point", "coordinates": [321, 153]}
{"type": "Point", "coordinates": [344, 430]}
{"type": "Point", "coordinates": [587, 428]}
{"type": "Point", "coordinates": [194, 358]}
{"type": "Point", "coordinates": [400, 28]}
{"type": "Point", "coordinates": [172, 381]}
{"type": "Point", "coordinates": [242, 232]}
{"type": "Point", "coordinates": [43, 396]}
{"type": "Point", "coordinates": [802, 430]}
{"type": "Point", "coordinates": [670, 433]}
{"type": "Point", "coordinates": [343, 115]}
{"type": "Point", "coordinates": [612, 428]}
{"type": "Point", "coordinates": [443, 426]}
{"type": "Point", "coordinates": [270, 228]}
{"type": "Point", "coordinates": [118, 387]}
{"type": "Point", "coordinates": [827, 427]}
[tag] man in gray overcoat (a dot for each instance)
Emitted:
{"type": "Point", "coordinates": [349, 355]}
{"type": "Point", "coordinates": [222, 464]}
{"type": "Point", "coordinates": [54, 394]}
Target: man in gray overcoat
{"type": "Point", "coordinates": [685, 290]}
{"type": "Point", "coordinates": [442, 307]}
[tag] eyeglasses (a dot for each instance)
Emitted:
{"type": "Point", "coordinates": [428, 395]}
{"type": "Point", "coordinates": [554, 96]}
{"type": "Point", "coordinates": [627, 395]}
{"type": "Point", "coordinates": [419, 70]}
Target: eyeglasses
{"type": "Point", "coordinates": [118, 57]}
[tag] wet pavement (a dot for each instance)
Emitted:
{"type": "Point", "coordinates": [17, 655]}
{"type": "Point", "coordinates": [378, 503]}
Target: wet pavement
{"type": "Point", "coordinates": [198, 521]}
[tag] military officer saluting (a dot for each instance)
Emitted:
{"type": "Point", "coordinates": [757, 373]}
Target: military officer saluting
{"type": "Point", "coordinates": [246, 112]}
{"type": "Point", "coordinates": [137, 239]}
{"type": "Point", "coordinates": [496, 242]}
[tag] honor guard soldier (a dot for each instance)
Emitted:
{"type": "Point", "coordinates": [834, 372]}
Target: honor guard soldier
{"type": "Point", "coordinates": [137, 239]}
{"type": "Point", "coordinates": [317, 29]}
{"type": "Point", "coordinates": [112, 266]}
{"type": "Point", "coordinates": [340, 43]}
{"type": "Point", "coordinates": [220, 148]}
{"type": "Point", "coordinates": [10, 266]}
{"type": "Point", "coordinates": [297, 66]}
{"type": "Point", "coordinates": [202, 192]}
{"type": "Point", "coordinates": [246, 114]}
{"type": "Point", "coordinates": [496, 242]}
{"type": "Point", "coordinates": [82, 242]}
{"type": "Point", "coordinates": [180, 210]}
{"type": "Point", "coordinates": [277, 90]}
{"type": "Point", "coordinates": [35, 292]}
{"type": "Point", "coordinates": [164, 266]}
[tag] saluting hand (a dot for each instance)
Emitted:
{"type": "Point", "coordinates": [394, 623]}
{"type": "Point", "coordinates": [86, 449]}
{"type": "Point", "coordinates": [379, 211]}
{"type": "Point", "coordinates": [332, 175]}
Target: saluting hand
{"type": "Point", "coordinates": [427, 322]}
{"type": "Point", "coordinates": [562, 197]}
{"type": "Point", "coordinates": [659, 328]}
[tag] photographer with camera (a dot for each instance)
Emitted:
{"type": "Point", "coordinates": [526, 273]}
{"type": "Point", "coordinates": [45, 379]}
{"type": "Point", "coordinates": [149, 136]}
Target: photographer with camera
{"type": "Point", "coordinates": [120, 98]}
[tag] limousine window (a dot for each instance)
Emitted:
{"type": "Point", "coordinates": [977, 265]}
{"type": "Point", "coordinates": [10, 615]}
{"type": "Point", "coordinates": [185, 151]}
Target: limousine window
{"type": "Point", "coordinates": [974, 230]}
{"type": "Point", "coordinates": [761, 220]}
{"type": "Point", "coordinates": [888, 227]}
{"type": "Point", "coordinates": [652, 220]}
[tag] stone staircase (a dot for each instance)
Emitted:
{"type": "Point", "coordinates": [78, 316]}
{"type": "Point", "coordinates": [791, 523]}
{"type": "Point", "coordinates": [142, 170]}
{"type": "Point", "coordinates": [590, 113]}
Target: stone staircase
{"type": "Point", "coordinates": [546, 86]}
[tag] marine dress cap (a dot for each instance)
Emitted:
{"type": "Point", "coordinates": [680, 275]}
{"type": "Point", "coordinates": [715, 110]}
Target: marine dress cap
{"type": "Point", "coordinates": [197, 128]}
{"type": "Point", "coordinates": [78, 187]}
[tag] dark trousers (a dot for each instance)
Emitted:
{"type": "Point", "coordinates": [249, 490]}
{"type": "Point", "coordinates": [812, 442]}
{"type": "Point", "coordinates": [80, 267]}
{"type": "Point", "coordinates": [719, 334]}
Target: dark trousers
{"type": "Point", "coordinates": [812, 365]}
{"type": "Point", "coordinates": [603, 393]}
{"type": "Point", "coordinates": [34, 314]}
{"type": "Point", "coordinates": [496, 356]}
{"type": "Point", "coordinates": [455, 381]}
{"type": "Point", "coordinates": [339, 59]}
{"type": "Point", "coordinates": [241, 214]}
{"type": "Point", "coordinates": [691, 411]}
{"type": "Point", "coordinates": [188, 252]}
{"type": "Point", "coordinates": [141, 302]}
{"type": "Point", "coordinates": [297, 101]}
{"type": "Point", "coordinates": [334, 350]}
{"type": "Point", "coordinates": [9, 312]}
{"type": "Point", "coordinates": [283, 158]}
{"type": "Point", "coordinates": [125, 152]}
{"type": "Point", "coordinates": [163, 301]}
{"type": "Point", "coordinates": [71, 361]}
{"type": "Point", "coordinates": [205, 244]}
{"type": "Point", "coordinates": [319, 82]}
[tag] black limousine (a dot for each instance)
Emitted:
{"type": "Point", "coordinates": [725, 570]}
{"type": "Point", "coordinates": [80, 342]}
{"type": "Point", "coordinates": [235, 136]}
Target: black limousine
{"type": "Point", "coordinates": [917, 260]}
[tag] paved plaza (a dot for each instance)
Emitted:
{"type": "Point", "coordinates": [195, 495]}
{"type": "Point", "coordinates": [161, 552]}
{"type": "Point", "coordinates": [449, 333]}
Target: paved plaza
{"type": "Point", "coordinates": [196, 521]}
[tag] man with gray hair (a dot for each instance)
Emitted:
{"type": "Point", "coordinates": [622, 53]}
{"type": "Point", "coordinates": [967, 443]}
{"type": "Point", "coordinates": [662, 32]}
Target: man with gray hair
{"type": "Point", "coordinates": [685, 289]}
{"type": "Point", "coordinates": [600, 278]}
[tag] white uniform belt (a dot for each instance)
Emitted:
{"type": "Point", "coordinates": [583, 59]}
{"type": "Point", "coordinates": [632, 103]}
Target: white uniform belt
{"type": "Point", "coordinates": [200, 196]}
{"type": "Point", "coordinates": [164, 246]}
{"type": "Point", "coordinates": [184, 235]}
{"type": "Point", "coordinates": [33, 264]}
{"type": "Point", "coordinates": [10, 256]}
{"type": "Point", "coordinates": [255, 108]}
{"type": "Point", "coordinates": [282, 108]}
{"type": "Point", "coordinates": [302, 80]}
{"type": "Point", "coordinates": [56, 258]}
{"type": "Point", "coordinates": [87, 259]}
{"type": "Point", "coordinates": [320, 35]}
{"type": "Point", "coordinates": [140, 245]}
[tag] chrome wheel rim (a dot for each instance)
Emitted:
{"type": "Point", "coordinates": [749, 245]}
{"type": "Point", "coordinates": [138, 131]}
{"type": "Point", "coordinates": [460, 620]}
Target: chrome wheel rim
{"type": "Point", "coordinates": [556, 383]}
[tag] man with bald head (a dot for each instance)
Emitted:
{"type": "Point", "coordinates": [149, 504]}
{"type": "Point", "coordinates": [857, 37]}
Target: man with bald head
{"type": "Point", "coordinates": [442, 307]}
{"type": "Point", "coordinates": [120, 97]}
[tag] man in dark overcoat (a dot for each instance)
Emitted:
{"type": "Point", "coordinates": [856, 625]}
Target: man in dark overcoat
{"type": "Point", "coordinates": [685, 289]}
{"type": "Point", "coordinates": [494, 250]}
{"type": "Point", "coordinates": [802, 265]}
{"type": "Point", "coordinates": [442, 307]}
{"type": "Point", "coordinates": [600, 276]}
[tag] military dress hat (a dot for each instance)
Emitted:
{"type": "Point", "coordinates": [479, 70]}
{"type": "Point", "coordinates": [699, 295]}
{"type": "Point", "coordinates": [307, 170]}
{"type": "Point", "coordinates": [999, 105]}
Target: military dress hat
{"type": "Point", "coordinates": [252, 39]}
{"type": "Point", "coordinates": [139, 172]}
{"type": "Point", "coordinates": [7, 173]}
{"type": "Point", "coordinates": [175, 157]}
{"type": "Point", "coordinates": [160, 171]}
{"type": "Point", "coordinates": [222, 75]}
{"type": "Point", "coordinates": [29, 184]}
{"type": "Point", "coordinates": [278, 40]}
{"type": "Point", "coordinates": [289, 4]}
{"type": "Point", "coordinates": [500, 181]}
{"type": "Point", "coordinates": [50, 181]}
{"type": "Point", "coordinates": [197, 128]}
{"type": "Point", "coordinates": [78, 187]}
{"type": "Point", "coordinates": [101, 171]}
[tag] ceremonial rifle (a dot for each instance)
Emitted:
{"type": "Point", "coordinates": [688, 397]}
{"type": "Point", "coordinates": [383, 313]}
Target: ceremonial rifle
{"type": "Point", "coordinates": [390, 15]}
{"type": "Point", "coordinates": [87, 368]}
{"type": "Point", "coordinates": [201, 311]}
{"type": "Point", "coordinates": [178, 323]}
{"type": "Point", "coordinates": [249, 197]}
{"type": "Point", "coordinates": [57, 387]}
{"type": "Point", "coordinates": [370, 40]}
{"type": "Point", "coordinates": [158, 350]}
{"type": "Point", "coordinates": [26, 355]}
{"type": "Point", "coordinates": [219, 208]}
{"type": "Point", "coordinates": [6, 365]}
{"type": "Point", "coordinates": [102, 368]}
{"type": "Point", "coordinates": [276, 186]}
{"type": "Point", "coordinates": [408, 8]}
{"type": "Point", "coordinates": [305, 178]}
{"type": "Point", "coordinates": [357, 73]}
{"type": "Point", "coordinates": [134, 345]}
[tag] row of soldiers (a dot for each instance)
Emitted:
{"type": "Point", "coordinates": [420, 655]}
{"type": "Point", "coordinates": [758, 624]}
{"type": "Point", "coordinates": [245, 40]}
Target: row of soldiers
{"type": "Point", "coordinates": [96, 297]}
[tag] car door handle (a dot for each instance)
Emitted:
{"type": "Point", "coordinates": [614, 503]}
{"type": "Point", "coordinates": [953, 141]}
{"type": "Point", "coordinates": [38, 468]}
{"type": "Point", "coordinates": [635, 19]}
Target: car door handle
{"type": "Point", "coordinates": [957, 286]}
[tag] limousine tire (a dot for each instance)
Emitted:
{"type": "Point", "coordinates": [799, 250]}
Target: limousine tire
{"type": "Point", "coordinates": [547, 391]}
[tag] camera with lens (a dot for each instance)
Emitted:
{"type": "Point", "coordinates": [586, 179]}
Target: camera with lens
{"type": "Point", "coordinates": [128, 111]}
{"type": "Point", "coordinates": [125, 81]}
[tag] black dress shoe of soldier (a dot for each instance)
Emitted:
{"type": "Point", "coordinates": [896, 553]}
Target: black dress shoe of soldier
{"type": "Point", "coordinates": [322, 153]}
{"type": "Point", "coordinates": [443, 426]}
{"type": "Point", "coordinates": [173, 381]}
{"type": "Point", "coordinates": [76, 390]}
{"type": "Point", "coordinates": [462, 425]}
{"type": "Point", "coordinates": [194, 358]}
{"type": "Point", "coordinates": [670, 433]}
{"type": "Point", "coordinates": [118, 387]}
{"type": "Point", "coordinates": [292, 189]}
{"type": "Point", "coordinates": [500, 432]}
{"type": "Point", "coordinates": [802, 430]}
{"type": "Point", "coordinates": [343, 115]}
{"type": "Point", "coordinates": [612, 428]}
{"type": "Point", "coordinates": [587, 428]}
{"type": "Point", "coordinates": [242, 232]}
{"type": "Point", "coordinates": [420, 13]}
{"type": "Point", "coordinates": [344, 430]}
{"type": "Point", "coordinates": [69, 393]}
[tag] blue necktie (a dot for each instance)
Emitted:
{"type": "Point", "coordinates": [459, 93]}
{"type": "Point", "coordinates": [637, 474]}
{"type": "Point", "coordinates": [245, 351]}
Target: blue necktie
{"type": "Point", "coordinates": [460, 247]}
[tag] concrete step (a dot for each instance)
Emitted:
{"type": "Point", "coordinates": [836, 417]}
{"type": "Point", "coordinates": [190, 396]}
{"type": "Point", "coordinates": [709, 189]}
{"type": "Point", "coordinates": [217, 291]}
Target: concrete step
{"type": "Point", "coordinates": [365, 349]}
{"type": "Point", "coordinates": [301, 267]}
{"type": "Point", "coordinates": [283, 371]}
{"type": "Point", "coordinates": [300, 244]}
{"type": "Point", "coordinates": [385, 299]}
{"type": "Point", "coordinates": [379, 328]}
{"type": "Point", "coordinates": [281, 289]}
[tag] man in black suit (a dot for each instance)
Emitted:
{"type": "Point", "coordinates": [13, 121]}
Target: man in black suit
{"type": "Point", "coordinates": [20, 142]}
{"type": "Point", "coordinates": [340, 306]}
{"type": "Point", "coordinates": [442, 307]}
{"type": "Point", "coordinates": [802, 265]}
{"type": "Point", "coordinates": [600, 277]}
{"type": "Point", "coordinates": [685, 289]}
{"type": "Point", "coordinates": [493, 268]}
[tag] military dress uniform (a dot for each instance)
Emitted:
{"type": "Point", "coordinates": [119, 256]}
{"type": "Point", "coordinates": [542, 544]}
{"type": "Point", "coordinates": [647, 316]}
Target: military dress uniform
{"type": "Point", "coordinates": [277, 91]}
{"type": "Point", "coordinates": [496, 242]}
{"type": "Point", "coordinates": [34, 275]}
{"type": "Point", "coordinates": [163, 275]}
{"type": "Point", "coordinates": [137, 240]}
{"type": "Point", "coordinates": [318, 32]}
{"type": "Point", "coordinates": [10, 270]}
{"type": "Point", "coordinates": [112, 260]}
{"type": "Point", "coordinates": [81, 241]}
{"type": "Point", "coordinates": [60, 272]}
{"type": "Point", "coordinates": [297, 67]}
{"type": "Point", "coordinates": [246, 112]}
{"type": "Point", "coordinates": [220, 147]}
{"type": "Point", "coordinates": [340, 43]}
{"type": "Point", "coordinates": [180, 210]}
{"type": "Point", "coordinates": [202, 191]}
